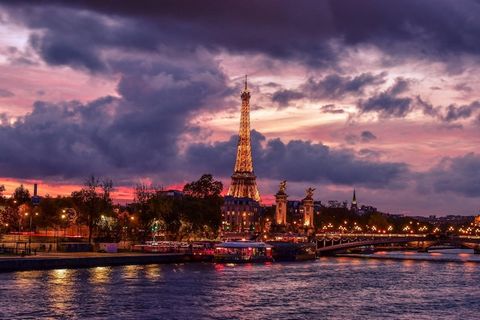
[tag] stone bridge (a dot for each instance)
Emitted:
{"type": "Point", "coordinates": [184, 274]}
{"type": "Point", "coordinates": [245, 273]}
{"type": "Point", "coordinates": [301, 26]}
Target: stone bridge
{"type": "Point", "coordinates": [332, 242]}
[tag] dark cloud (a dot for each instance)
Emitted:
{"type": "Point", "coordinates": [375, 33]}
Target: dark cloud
{"type": "Point", "coordinates": [367, 136]}
{"type": "Point", "coordinates": [460, 175]}
{"type": "Point", "coordinates": [284, 96]}
{"type": "Point", "coordinates": [330, 108]}
{"type": "Point", "coordinates": [426, 107]}
{"type": "Point", "coordinates": [450, 113]}
{"type": "Point", "coordinates": [299, 161]}
{"type": "Point", "coordinates": [4, 93]}
{"type": "Point", "coordinates": [335, 86]}
{"type": "Point", "coordinates": [454, 113]}
{"type": "Point", "coordinates": [71, 34]}
{"type": "Point", "coordinates": [463, 87]}
{"type": "Point", "coordinates": [387, 103]}
{"type": "Point", "coordinates": [133, 135]}
{"type": "Point", "coordinates": [111, 137]}
{"type": "Point", "coordinates": [332, 86]}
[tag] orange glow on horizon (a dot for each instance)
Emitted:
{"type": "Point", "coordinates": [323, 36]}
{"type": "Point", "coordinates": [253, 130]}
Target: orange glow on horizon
{"type": "Point", "coordinates": [120, 194]}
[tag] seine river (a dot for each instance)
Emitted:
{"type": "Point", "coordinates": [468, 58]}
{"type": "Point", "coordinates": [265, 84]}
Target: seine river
{"type": "Point", "coordinates": [328, 288]}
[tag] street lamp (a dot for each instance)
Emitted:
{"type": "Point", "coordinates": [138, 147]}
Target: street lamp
{"type": "Point", "coordinates": [30, 230]}
{"type": "Point", "coordinates": [64, 217]}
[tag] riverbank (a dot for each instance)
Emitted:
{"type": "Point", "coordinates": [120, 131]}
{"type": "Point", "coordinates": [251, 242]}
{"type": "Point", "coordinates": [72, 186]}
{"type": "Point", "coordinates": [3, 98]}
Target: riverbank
{"type": "Point", "coordinates": [48, 261]}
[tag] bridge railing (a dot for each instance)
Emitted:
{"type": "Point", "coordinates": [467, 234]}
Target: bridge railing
{"type": "Point", "coordinates": [469, 237]}
{"type": "Point", "coordinates": [372, 235]}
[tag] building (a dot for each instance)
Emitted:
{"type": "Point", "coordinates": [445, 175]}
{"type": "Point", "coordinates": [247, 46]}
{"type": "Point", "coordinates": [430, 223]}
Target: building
{"type": "Point", "coordinates": [240, 215]}
{"type": "Point", "coordinates": [354, 206]}
{"type": "Point", "coordinates": [241, 209]}
{"type": "Point", "coordinates": [476, 221]}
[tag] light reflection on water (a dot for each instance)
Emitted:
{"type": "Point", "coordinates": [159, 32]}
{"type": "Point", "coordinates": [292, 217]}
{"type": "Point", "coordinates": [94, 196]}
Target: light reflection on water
{"type": "Point", "coordinates": [333, 288]}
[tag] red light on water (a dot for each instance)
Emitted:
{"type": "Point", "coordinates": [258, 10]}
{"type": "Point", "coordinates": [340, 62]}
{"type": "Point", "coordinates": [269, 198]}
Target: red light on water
{"type": "Point", "coordinates": [219, 267]}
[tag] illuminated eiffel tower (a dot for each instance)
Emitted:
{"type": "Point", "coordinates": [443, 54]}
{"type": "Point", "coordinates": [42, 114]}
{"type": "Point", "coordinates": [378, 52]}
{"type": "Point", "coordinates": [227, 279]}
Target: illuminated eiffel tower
{"type": "Point", "coordinates": [244, 183]}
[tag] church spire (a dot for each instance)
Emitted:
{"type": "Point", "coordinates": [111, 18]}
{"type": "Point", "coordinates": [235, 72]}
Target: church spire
{"type": "Point", "coordinates": [354, 206]}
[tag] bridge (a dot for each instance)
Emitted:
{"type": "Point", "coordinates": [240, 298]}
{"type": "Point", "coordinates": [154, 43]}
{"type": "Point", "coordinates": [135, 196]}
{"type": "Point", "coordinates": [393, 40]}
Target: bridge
{"type": "Point", "coordinates": [329, 243]}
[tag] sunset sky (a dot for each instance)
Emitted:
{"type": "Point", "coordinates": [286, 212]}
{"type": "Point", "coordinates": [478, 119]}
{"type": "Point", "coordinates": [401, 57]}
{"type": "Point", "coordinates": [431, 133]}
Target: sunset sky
{"type": "Point", "coordinates": [381, 96]}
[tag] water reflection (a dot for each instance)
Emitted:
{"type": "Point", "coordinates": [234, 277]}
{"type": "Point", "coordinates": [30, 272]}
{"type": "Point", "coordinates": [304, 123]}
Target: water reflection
{"type": "Point", "coordinates": [130, 273]}
{"type": "Point", "coordinates": [61, 291]}
{"type": "Point", "coordinates": [153, 272]}
{"type": "Point", "coordinates": [333, 288]}
{"type": "Point", "coordinates": [100, 275]}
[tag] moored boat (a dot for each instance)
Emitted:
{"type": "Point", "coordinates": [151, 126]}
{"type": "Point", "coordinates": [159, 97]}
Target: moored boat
{"type": "Point", "coordinates": [291, 251]}
{"type": "Point", "coordinates": [243, 251]}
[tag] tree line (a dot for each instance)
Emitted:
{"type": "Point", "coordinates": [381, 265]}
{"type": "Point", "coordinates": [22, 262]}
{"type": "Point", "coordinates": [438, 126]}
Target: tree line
{"type": "Point", "coordinates": [191, 214]}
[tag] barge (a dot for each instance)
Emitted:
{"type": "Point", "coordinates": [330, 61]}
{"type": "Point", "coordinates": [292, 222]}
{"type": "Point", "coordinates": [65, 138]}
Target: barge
{"type": "Point", "coordinates": [243, 252]}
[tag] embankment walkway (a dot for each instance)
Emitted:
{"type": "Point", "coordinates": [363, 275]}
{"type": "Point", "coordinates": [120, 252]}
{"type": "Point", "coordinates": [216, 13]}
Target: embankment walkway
{"type": "Point", "coordinates": [47, 261]}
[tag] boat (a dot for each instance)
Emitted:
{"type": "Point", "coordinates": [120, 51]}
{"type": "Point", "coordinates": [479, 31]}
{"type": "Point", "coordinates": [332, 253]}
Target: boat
{"type": "Point", "coordinates": [293, 251]}
{"type": "Point", "coordinates": [242, 252]}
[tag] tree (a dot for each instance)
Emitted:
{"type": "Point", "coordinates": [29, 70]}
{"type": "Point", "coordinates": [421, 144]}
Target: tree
{"type": "Point", "coordinates": [9, 218]}
{"type": "Point", "coordinates": [204, 187]}
{"type": "Point", "coordinates": [142, 207]}
{"type": "Point", "coordinates": [166, 210]}
{"type": "Point", "coordinates": [21, 195]}
{"type": "Point", "coordinates": [201, 206]}
{"type": "Point", "coordinates": [378, 221]}
{"type": "Point", "coordinates": [93, 200]}
{"type": "Point", "coordinates": [51, 210]}
{"type": "Point", "coordinates": [2, 197]}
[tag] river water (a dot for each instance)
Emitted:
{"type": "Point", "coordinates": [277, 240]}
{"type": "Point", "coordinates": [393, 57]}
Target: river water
{"type": "Point", "coordinates": [328, 288]}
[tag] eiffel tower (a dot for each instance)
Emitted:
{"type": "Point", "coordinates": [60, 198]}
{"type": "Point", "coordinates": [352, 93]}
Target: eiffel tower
{"type": "Point", "coordinates": [244, 183]}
